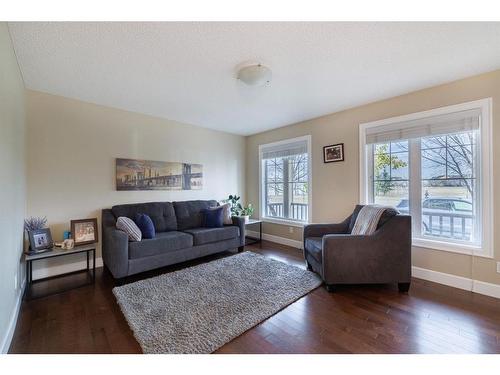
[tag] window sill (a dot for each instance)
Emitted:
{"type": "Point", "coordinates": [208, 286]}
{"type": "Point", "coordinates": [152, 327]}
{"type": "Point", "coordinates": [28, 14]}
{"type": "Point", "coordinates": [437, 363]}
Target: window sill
{"type": "Point", "coordinates": [451, 247]}
{"type": "Point", "coordinates": [293, 223]}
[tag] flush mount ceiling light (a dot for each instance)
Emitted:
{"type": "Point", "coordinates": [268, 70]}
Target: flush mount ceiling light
{"type": "Point", "coordinates": [255, 75]}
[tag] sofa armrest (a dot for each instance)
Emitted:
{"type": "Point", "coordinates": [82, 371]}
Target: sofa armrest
{"type": "Point", "coordinates": [114, 246]}
{"type": "Point", "coordinates": [382, 257]}
{"type": "Point", "coordinates": [115, 251]}
{"type": "Point", "coordinates": [240, 223]}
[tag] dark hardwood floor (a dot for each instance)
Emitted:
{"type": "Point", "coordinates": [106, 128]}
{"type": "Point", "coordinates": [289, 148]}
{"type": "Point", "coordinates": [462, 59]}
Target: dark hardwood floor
{"type": "Point", "coordinates": [432, 318]}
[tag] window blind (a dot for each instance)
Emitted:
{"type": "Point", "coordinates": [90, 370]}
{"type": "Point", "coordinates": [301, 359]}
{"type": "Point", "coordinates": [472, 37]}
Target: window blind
{"type": "Point", "coordinates": [284, 150]}
{"type": "Point", "coordinates": [430, 126]}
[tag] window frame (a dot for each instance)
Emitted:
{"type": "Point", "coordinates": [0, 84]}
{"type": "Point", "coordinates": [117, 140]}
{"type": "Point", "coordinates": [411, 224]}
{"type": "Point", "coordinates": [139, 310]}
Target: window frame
{"type": "Point", "coordinates": [262, 198]}
{"type": "Point", "coordinates": [485, 171]}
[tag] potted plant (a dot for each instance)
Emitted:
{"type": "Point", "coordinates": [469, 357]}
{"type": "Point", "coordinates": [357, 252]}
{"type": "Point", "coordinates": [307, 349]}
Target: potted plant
{"type": "Point", "coordinates": [238, 210]}
{"type": "Point", "coordinates": [246, 212]}
{"type": "Point", "coordinates": [33, 224]}
{"type": "Point", "coordinates": [235, 204]}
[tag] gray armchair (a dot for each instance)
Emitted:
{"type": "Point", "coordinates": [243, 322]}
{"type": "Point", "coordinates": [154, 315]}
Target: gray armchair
{"type": "Point", "coordinates": [341, 258]}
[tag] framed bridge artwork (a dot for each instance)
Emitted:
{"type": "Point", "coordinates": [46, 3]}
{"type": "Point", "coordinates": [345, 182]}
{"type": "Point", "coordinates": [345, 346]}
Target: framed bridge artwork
{"type": "Point", "coordinates": [133, 174]}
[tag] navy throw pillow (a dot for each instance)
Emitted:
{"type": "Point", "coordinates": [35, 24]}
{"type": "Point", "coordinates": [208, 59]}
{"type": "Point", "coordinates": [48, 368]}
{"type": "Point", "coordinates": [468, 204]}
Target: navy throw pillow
{"type": "Point", "coordinates": [146, 225]}
{"type": "Point", "coordinates": [213, 217]}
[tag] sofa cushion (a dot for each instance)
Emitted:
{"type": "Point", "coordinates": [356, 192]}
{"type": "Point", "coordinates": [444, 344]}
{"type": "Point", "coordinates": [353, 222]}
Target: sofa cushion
{"type": "Point", "coordinates": [189, 214]}
{"type": "Point", "coordinates": [388, 213]}
{"type": "Point", "coordinates": [146, 225]}
{"type": "Point", "coordinates": [208, 235]}
{"type": "Point", "coordinates": [314, 247]}
{"type": "Point", "coordinates": [164, 242]}
{"type": "Point", "coordinates": [162, 213]}
{"type": "Point", "coordinates": [128, 226]}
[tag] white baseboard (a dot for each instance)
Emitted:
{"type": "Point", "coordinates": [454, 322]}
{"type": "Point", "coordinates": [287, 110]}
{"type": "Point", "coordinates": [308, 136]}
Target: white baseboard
{"type": "Point", "coordinates": [476, 286]}
{"type": "Point", "coordinates": [488, 289]}
{"type": "Point", "coordinates": [63, 268]}
{"type": "Point", "coordinates": [277, 239]}
{"type": "Point", "coordinates": [460, 282]}
{"type": "Point", "coordinates": [7, 339]}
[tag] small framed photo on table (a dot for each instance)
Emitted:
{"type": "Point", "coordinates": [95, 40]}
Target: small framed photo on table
{"type": "Point", "coordinates": [333, 153]}
{"type": "Point", "coordinates": [40, 239]}
{"type": "Point", "coordinates": [84, 231]}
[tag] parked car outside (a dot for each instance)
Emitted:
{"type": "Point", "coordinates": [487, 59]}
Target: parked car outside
{"type": "Point", "coordinates": [444, 216]}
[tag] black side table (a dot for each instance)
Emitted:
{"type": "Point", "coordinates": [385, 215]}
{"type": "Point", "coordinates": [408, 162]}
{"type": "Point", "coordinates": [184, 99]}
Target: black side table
{"type": "Point", "coordinates": [58, 252]}
{"type": "Point", "coordinates": [253, 240]}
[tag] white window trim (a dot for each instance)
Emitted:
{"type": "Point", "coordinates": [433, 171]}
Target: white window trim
{"type": "Point", "coordinates": [262, 199]}
{"type": "Point", "coordinates": [486, 174]}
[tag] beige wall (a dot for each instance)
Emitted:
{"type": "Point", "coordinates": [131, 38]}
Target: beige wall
{"type": "Point", "coordinates": [335, 187]}
{"type": "Point", "coordinates": [72, 146]}
{"type": "Point", "coordinates": [12, 177]}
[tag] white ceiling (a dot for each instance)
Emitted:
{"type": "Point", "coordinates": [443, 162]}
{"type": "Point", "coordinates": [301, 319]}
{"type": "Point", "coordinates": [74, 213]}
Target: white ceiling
{"type": "Point", "coordinates": [186, 71]}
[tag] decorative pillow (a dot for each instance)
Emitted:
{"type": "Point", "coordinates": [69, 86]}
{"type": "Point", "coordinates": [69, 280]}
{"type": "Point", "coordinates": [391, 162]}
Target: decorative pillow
{"type": "Point", "coordinates": [213, 217]}
{"type": "Point", "coordinates": [146, 225]}
{"type": "Point", "coordinates": [127, 225]}
{"type": "Point", "coordinates": [226, 213]}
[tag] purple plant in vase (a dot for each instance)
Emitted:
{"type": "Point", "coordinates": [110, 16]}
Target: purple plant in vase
{"type": "Point", "coordinates": [35, 223]}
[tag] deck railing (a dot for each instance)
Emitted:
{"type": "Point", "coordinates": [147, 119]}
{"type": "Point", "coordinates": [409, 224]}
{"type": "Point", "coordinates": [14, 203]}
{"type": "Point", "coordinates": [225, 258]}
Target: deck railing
{"type": "Point", "coordinates": [457, 225]}
{"type": "Point", "coordinates": [446, 224]}
{"type": "Point", "coordinates": [297, 211]}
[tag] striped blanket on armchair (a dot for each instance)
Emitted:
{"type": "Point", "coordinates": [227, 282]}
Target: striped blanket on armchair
{"type": "Point", "coordinates": [368, 218]}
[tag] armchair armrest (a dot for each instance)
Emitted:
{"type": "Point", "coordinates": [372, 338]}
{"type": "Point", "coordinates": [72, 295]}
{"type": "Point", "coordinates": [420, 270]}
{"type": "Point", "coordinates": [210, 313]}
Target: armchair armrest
{"type": "Point", "coordinates": [240, 223]}
{"type": "Point", "coordinates": [319, 230]}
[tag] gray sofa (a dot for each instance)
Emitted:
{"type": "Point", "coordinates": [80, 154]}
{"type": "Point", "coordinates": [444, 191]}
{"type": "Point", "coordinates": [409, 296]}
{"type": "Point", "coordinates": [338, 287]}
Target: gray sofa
{"type": "Point", "coordinates": [341, 258]}
{"type": "Point", "coordinates": [179, 236]}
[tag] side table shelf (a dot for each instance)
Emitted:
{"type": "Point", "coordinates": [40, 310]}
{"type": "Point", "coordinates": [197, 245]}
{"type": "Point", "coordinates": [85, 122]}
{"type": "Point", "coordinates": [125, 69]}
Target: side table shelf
{"type": "Point", "coordinates": [249, 240]}
{"type": "Point", "coordinates": [54, 253]}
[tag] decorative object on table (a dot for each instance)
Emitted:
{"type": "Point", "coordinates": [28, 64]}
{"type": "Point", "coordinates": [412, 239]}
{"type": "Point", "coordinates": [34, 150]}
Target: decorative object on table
{"type": "Point", "coordinates": [191, 300]}
{"type": "Point", "coordinates": [333, 153]}
{"type": "Point", "coordinates": [237, 209]}
{"type": "Point", "coordinates": [134, 174]}
{"type": "Point", "coordinates": [246, 212]}
{"type": "Point", "coordinates": [84, 231]}
{"type": "Point", "coordinates": [213, 217]}
{"type": "Point", "coordinates": [40, 240]}
{"type": "Point", "coordinates": [68, 244]}
{"type": "Point", "coordinates": [146, 226]}
{"type": "Point", "coordinates": [128, 226]}
{"type": "Point", "coordinates": [33, 224]}
{"type": "Point", "coordinates": [66, 235]}
{"type": "Point", "coordinates": [226, 213]}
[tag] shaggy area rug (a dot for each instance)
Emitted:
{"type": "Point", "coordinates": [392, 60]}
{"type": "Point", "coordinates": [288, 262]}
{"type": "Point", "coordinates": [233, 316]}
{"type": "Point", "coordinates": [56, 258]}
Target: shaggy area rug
{"type": "Point", "coordinates": [199, 309]}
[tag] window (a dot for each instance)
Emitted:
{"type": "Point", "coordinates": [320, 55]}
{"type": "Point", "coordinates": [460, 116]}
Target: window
{"type": "Point", "coordinates": [285, 180]}
{"type": "Point", "coordinates": [435, 166]}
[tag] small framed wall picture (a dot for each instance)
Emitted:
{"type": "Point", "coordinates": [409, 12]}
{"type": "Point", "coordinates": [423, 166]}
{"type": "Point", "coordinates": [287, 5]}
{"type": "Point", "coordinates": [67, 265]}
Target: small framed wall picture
{"type": "Point", "coordinates": [84, 231]}
{"type": "Point", "coordinates": [333, 153]}
{"type": "Point", "coordinates": [40, 239]}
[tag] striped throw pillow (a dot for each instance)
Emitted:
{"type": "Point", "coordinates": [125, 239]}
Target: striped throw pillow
{"type": "Point", "coordinates": [128, 226]}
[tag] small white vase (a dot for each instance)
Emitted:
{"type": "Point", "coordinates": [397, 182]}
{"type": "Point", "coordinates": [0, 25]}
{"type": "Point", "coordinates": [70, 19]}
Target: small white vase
{"type": "Point", "coordinates": [246, 218]}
